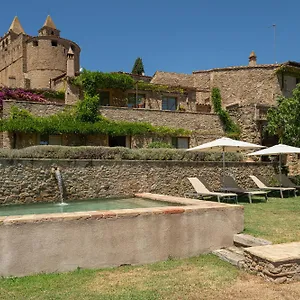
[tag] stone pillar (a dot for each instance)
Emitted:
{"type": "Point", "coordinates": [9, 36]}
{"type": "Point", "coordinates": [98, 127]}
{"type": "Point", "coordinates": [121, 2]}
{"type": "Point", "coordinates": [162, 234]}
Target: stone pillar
{"type": "Point", "coordinates": [8, 140]}
{"type": "Point", "coordinates": [252, 59]}
{"type": "Point", "coordinates": [70, 63]}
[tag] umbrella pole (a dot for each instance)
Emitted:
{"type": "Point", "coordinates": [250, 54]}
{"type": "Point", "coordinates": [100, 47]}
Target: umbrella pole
{"type": "Point", "coordinates": [280, 169]}
{"type": "Point", "coordinates": [223, 157]}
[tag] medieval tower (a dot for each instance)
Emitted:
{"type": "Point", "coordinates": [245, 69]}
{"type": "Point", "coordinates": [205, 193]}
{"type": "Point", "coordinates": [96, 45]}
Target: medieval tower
{"type": "Point", "coordinates": [34, 62]}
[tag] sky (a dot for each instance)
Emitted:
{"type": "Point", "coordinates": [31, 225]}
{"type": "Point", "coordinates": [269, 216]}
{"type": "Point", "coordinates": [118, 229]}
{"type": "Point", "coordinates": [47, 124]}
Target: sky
{"type": "Point", "coordinates": [169, 35]}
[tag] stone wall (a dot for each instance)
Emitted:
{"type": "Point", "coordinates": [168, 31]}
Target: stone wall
{"type": "Point", "coordinates": [205, 126]}
{"type": "Point", "coordinates": [204, 123]}
{"type": "Point", "coordinates": [38, 109]}
{"type": "Point", "coordinates": [26, 180]}
{"type": "Point", "coordinates": [173, 79]}
{"type": "Point", "coordinates": [12, 62]}
{"type": "Point", "coordinates": [243, 85]}
{"type": "Point", "coordinates": [247, 117]}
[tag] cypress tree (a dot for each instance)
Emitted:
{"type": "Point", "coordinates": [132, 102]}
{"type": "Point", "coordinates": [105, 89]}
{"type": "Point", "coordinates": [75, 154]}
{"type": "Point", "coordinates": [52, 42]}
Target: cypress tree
{"type": "Point", "coordinates": [138, 67]}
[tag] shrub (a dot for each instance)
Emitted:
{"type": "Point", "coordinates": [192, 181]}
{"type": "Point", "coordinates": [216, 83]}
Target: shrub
{"type": "Point", "coordinates": [113, 153]}
{"type": "Point", "coordinates": [159, 145]}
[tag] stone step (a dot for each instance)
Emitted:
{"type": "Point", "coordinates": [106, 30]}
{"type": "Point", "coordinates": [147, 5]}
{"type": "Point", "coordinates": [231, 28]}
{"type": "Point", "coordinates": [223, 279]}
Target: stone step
{"type": "Point", "coordinates": [245, 240]}
{"type": "Point", "coordinates": [235, 249]}
{"type": "Point", "coordinates": [276, 263]}
{"type": "Point", "coordinates": [235, 258]}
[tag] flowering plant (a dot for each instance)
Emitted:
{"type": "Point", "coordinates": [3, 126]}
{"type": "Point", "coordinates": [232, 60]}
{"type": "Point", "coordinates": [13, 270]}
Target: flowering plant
{"type": "Point", "coordinates": [19, 94]}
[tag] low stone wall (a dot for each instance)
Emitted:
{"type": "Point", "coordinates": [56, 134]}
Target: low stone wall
{"type": "Point", "coordinates": [203, 122]}
{"type": "Point", "coordinates": [276, 263]}
{"type": "Point", "coordinates": [26, 180]}
{"type": "Point", "coordinates": [63, 242]}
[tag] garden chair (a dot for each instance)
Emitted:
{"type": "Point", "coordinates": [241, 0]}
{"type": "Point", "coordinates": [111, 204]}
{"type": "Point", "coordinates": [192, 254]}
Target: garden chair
{"type": "Point", "coordinates": [286, 182]}
{"type": "Point", "coordinates": [231, 185]}
{"type": "Point", "coordinates": [261, 185]}
{"type": "Point", "coordinates": [202, 191]}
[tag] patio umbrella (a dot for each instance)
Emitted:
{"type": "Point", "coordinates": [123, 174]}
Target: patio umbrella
{"type": "Point", "coordinates": [277, 150]}
{"type": "Point", "coordinates": [223, 145]}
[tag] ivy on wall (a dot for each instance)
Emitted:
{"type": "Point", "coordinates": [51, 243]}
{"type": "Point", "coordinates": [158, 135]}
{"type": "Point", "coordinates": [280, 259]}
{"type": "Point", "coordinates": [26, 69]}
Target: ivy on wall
{"type": "Point", "coordinates": [232, 129]}
{"type": "Point", "coordinates": [92, 82]}
{"type": "Point", "coordinates": [81, 120]}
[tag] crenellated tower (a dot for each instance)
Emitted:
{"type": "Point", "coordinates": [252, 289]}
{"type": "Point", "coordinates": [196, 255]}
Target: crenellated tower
{"type": "Point", "coordinates": [35, 61]}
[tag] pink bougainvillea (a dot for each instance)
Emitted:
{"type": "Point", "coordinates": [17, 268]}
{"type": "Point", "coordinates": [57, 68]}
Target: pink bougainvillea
{"type": "Point", "coordinates": [20, 94]}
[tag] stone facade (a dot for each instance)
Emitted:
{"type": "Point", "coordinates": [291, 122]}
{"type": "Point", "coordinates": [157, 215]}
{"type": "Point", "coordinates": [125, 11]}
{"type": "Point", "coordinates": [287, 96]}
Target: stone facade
{"type": "Point", "coordinates": [27, 180]}
{"type": "Point", "coordinates": [204, 123]}
{"type": "Point", "coordinates": [204, 126]}
{"type": "Point", "coordinates": [244, 85]}
{"type": "Point", "coordinates": [32, 62]}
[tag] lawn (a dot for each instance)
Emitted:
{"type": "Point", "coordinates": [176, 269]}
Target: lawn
{"type": "Point", "coordinates": [277, 220]}
{"type": "Point", "coordinates": [202, 277]}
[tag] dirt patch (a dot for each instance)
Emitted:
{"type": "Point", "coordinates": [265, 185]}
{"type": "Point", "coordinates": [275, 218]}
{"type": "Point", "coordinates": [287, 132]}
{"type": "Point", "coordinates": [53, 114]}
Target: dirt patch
{"type": "Point", "coordinates": [190, 282]}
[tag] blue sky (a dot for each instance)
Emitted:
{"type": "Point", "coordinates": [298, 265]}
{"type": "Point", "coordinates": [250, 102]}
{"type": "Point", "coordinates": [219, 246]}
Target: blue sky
{"type": "Point", "coordinates": [169, 35]}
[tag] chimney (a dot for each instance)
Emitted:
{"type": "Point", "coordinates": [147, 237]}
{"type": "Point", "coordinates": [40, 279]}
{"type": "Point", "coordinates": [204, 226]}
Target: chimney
{"type": "Point", "coordinates": [252, 59]}
{"type": "Point", "coordinates": [70, 63]}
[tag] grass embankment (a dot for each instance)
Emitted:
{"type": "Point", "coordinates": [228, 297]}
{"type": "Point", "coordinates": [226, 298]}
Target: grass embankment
{"type": "Point", "coordinates": [203, 277]}
{"type": "Point", "coordinates": [277, 220]}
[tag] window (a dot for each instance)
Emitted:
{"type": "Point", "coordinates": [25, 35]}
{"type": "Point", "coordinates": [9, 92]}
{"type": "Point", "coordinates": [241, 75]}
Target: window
{"type": "Point", "coordinates": [73, 48]}
{"type": "Point", "coordinates": [104, 98]}
{"type": "Point", "coordinates": [44, 139]}
{"type": "Point", "coordinates": [54, 43]}
{"type": "Point", "coordinates": [117, 141]}
{"type": "Point", "coordinates": [136, 100]}
{"type": "Point", "coordinates": [12, 81]}
{"type": "Point", "coordinates": [169, 103]}
{"type": "Point", "coordinates": [55, 140]}
{"type": "Point", "coordinates": [35, 43]}
{"type": "Point", "coordinates": [180, 142]}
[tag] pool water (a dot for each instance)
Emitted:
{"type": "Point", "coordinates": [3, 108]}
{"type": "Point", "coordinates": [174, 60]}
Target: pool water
{"type": "Point", "coordinates": [83, 205]}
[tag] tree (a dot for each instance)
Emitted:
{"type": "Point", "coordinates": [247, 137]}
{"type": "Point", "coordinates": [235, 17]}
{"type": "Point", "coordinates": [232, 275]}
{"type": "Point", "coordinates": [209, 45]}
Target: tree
{"type": "Point", "coordinates": [283, 120]}
{"type": "Point", "coordinates": [138, 67]}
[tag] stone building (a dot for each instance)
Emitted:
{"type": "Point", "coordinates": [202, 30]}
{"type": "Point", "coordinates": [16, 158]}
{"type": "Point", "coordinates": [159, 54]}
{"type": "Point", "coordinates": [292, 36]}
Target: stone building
{"type": "Point", "coordinates": [35, 62]}
{"type": "Point", "coordinates": [46, 61]}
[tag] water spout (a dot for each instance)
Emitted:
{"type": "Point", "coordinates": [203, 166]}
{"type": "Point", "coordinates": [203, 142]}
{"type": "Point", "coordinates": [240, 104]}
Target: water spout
{"type": "Point", "coordinates": [60, 185]}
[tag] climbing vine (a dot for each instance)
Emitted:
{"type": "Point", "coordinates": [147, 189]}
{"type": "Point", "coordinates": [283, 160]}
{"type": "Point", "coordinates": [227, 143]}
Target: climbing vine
{"type": "Point", "coordinates": [80, 120]}
{"type": "Point", "coordinates": [232, 129]}
{"type": "Point", "coordinates": [92, 82]}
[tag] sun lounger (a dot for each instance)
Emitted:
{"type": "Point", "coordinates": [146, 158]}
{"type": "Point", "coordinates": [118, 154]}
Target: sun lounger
{"type": "Point", "coordinates": [201, 191]}
{"type": "Point", "coordinates": [286, 182]}
{"type": "Point", "coordinates": [259, 182]}
{"type": "Point", "coordinates": [231, 185]}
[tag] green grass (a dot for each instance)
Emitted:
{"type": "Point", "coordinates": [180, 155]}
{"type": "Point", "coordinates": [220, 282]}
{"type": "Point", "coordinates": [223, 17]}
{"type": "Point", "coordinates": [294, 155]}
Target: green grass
{"type": "Point", "coordinates": [165, 280]}
{"type": "Point", "coordinates": [277, 220]}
